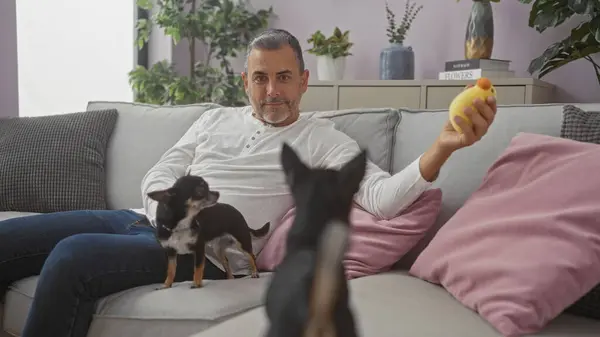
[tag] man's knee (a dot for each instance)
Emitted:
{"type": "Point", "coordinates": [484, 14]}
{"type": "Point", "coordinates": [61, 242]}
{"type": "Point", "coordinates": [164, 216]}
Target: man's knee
{"type": "Point", "coordinates": [93, 265]}
{"type": "Point", "coordinates": [72, 254]}
{"type": "Point", "coordinates": [87, 255]}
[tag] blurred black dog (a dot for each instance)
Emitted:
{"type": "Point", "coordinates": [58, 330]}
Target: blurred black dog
{"type": "Point", "coordinates": [308, 293]}
{"type": "Point", "coordinates": [188, 216]}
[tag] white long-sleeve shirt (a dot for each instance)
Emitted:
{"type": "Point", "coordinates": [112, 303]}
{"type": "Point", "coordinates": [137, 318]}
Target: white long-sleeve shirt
{"type": "Point", "coordinates": [239, 156]}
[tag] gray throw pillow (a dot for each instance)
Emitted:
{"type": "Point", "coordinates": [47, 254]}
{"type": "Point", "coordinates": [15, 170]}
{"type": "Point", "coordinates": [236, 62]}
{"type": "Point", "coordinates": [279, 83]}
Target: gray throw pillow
{"type": "Point", "coordinates": [583, 126]}
{"type": "Point", "coordinates": [580, 125]}
{"type": "Point", "coordinates": [54, 163]}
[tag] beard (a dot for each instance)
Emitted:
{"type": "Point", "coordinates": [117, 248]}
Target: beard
{"type": "Point", "coordinates": [275, 110]}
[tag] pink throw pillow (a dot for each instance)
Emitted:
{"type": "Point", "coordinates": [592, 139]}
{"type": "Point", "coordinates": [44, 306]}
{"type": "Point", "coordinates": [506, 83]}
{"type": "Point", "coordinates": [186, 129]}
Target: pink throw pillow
{"type": "Point", "coordinates": [375, 245]}
{"type": "Point", "coordinates": [526, 244]}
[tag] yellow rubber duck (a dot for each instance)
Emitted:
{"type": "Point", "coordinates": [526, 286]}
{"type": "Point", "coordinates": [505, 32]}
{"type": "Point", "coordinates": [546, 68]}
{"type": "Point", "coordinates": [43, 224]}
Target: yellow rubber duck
{"type": "Point", "coordinates": [482, 89]}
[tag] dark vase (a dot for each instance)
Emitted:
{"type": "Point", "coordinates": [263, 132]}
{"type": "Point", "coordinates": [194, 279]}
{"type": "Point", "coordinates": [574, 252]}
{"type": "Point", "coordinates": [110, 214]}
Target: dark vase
{"type": "Point", "coordinates": [479, 40]}
{"type": "Point", "coordinates": [397, 62]}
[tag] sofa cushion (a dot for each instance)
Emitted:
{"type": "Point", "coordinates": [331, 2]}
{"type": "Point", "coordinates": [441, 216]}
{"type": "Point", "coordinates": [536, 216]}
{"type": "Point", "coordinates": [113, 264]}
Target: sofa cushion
{"type": "Point", "coordinates": [55, 163]}
{"type": "Point", "coordinates": [396, 304]}
{"type": "Point", "coordinates": [142, 134]}
{"type": "Point", "coordinates": [373, 129]}
{"type": "Point", "coordinates": [581, 125]}
{"type": "Point", "coordinates": [584, 126]}
{"type": "Point", "coordinates": [526, 244]}
{"type": "Point", "coordinates": [144, 311]}
{"type": "Point", "coordinates": [145, 131]}
{"type": "Point", "coordinates": [10, 215]}
{"type": "Point", "coordinates": [17, 302]}
{"type": "Point", "coordinates": [375, 244]}
{"type": "Point", "coordinates": [465, 169]}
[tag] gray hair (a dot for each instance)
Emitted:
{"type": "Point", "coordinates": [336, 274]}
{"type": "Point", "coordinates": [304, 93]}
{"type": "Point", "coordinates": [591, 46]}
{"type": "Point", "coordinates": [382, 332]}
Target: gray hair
{"type": "Point", "coordinates": [272, 39]}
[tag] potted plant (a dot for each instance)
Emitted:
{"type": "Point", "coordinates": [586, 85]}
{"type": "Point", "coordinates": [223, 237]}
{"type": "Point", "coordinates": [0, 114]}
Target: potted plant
{"type": "Point", "coordinates": [224, 27]}
{"type": "Point", "coordinates": [331, 53]}
{"type": "Point", "coordinates": [582, 43]}
{"type": "Point", "coordinates": [397, 61]}
{"type": "Point", "coordinates": [479, 39]}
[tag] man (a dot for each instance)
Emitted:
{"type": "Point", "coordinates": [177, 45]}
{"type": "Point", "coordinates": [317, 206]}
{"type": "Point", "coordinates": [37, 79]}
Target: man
{"type": "Point", "coordinates": [82, 256]}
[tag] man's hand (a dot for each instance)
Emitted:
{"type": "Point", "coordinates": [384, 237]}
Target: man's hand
{"type": "Point", "coordinates": [481, 117]}
{"type": "Point", "coordinates": [451, 140]}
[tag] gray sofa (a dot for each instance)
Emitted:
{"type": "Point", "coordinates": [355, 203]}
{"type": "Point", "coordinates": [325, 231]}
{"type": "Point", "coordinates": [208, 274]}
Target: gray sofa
{"type": "Point", "coordinates": [390, 304]}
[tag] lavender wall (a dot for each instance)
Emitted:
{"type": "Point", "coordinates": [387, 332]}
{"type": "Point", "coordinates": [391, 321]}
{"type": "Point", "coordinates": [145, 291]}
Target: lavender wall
{"type": "Point", "coordinates": [9, 88]}
{"type": "Point", "coordinates": [433, 45]}
{"type": "Point", "coordinates": [366, 20]}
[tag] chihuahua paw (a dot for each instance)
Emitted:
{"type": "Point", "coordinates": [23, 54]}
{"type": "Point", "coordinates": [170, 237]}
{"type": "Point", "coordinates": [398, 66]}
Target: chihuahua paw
{"type": "Point", "coordinates": [254, 275]}
{"type": "Point", "coordinates": [163, 287]}
{"type": "Point", "coordinates": [194, 286]}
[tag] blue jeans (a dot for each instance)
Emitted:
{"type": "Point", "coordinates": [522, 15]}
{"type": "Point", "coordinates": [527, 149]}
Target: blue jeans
{"type": "Point", "coordinates": [82, 256]}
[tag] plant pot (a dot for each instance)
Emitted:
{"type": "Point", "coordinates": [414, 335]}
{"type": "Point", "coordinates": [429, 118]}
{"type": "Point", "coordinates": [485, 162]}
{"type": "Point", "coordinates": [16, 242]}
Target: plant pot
{"type": "Point", "coordinates": [330, 69]}
{"type": "Point", "coordinates": [397, 62]}
{"type": "Point", "coordinates": [479, 39]}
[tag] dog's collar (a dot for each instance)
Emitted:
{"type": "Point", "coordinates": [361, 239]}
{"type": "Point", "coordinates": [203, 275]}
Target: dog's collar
{"type": "Point", "coordinates": [180, 230]}
{"type": "Point", "coordinates": [173, 230]}
{"type": "Point", "coordinates": [166, 228]}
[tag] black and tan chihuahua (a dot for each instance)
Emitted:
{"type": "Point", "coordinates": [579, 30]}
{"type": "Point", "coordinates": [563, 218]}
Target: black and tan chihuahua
{"type": "Point", "coordinates": [308, 294]}
{"type": "Point", "coordinates": [188, 216]}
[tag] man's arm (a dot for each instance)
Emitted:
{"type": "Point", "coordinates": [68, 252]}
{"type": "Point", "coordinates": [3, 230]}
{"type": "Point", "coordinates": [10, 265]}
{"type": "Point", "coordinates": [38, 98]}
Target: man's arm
{"type": "Point", "coordinates": [172, 165]}
{"type": "Point", "coordinates": [381, 193]}
{"type": "Point", "coordinates": [432, 160]}
{"type": "Point", "coordinates": [387, 195]}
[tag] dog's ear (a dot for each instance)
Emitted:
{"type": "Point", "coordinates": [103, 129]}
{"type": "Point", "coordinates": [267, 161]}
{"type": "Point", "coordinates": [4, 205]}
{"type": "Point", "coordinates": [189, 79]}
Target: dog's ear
{"type": "Point", "coordinates": [293, 166]}
{"type": "Point", "coordinates": [352, 174]}
{"type": "Point", "coordinates": [162, 195]}
{"type": "Point", "coordinates": [213, 197]}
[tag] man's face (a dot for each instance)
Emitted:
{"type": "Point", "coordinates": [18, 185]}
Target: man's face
{"type": "Point", "coordinates": [274, 85]}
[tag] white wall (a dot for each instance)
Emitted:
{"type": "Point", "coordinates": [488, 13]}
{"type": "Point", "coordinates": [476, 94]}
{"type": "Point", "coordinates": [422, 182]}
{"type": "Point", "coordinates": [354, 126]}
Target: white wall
{"type": "Point", "coordinates": [73, 51]}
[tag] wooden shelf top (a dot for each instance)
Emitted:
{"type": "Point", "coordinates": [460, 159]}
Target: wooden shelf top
{"type": "Point", "coordinates": [430, 83]}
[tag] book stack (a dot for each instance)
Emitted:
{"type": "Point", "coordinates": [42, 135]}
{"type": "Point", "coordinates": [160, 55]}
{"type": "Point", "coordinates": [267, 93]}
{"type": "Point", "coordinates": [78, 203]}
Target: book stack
{"type": "Point", "coordinates": [476, 68]}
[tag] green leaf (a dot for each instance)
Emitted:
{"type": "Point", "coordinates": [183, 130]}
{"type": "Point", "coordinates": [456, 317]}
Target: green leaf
{"type": "Point", "coordinates": [583, 41]}
{"type": "Point", "coordinates": [545, 14]}
{"type": "Point", "coordinates": [396, 33]}
{"type": "Point", "coordinates": [584, 7]}
{"type": "Point", "coordinates": [580, 44]}
{"type": "Point", "coordinates": [595, 28]}
{"type": "Point", "coordinates": [336, 45]}
{"type": "Point", "coordinates": [144, 4]}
